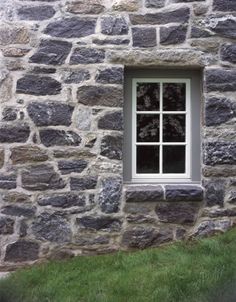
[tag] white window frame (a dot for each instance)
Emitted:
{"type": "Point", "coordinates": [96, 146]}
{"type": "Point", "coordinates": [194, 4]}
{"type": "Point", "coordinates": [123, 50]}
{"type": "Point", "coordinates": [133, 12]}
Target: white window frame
{"type": "Point", "coordinates": [162, 176]}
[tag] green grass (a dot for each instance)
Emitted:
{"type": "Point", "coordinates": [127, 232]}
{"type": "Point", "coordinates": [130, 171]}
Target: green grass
{"type": "Point", "coordinates": [199, 271]}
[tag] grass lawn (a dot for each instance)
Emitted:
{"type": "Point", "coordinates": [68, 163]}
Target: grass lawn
{"type": "Point", "coordinates": [199, 271]}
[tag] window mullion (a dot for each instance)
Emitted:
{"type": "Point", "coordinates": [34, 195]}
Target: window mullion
{"type": "Point", "coordinates": [160, 128]}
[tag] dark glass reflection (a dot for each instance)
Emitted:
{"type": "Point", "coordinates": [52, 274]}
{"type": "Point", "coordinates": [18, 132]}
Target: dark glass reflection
{"type": "Point", "coordinates": [173, 159]}
{"type": "Point", "coordinates": [148, 96]}
{"type": "Point", "coordinates": [174, 96]}
{"type": "Point", "coordinates": [147, 127]}
{"type": "Point", "coordinates": [147, 159]}
{"type": "Point", "coordinates": [174, 127]}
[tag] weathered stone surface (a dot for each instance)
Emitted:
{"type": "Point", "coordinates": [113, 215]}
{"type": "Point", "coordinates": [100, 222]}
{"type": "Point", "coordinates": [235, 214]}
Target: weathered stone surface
{"type": "Point", "coordinates": [138, 219]}
{"type": "Point", "coordinates": [114, 25]}
{"type": "Point", "coordinates": [87, 56]}
{"type": "Point", "coordinates": [84, 118]}
{"type": "Point", "coordinates": [144, 37]}
{"type": "Point", "coordinates": [7, 182]}
{"type": "Point", "coordinates": [40, 178]}
{"type": "Point", "coordinates": [70, 166]}
{"type": "Point", "coordinates": [110, 194]}
{"type": "Point", "coordinates": [137, 208]}
{"type": "Point", "coordinates": [200, 8]}
{"type": "Point", "coordinates": [113, 75]}
{"type": "Point", "coordinates": [105, 165]}
{"type": "Point", "coordinates": [76, 77]}
{"type": "Point", "coordinates": [154, 3]}
{"type": "Point", "coordinates": [219, 171]}
{"type": "Point", "coordinates": [23, 229]}
{"type": "Point", "coordinates": [180, 233]}
{"type": "Point", "coordinates": [83, 183]}
{"type": "Point", "coordinates": [74, 152]}
{"type": "Point", "coordinates": [52, 227]}
{"type": "Point", "coordinates": [62, 200]}
{"type": "Point", "coordinates": [180, 15]}
{"type": "Point", "coordinates": [51, 52]}
{"type": "Point", "coordinates": [15, 197]}
{"type": "Point", "coordinates": [15, 52]}
{"type": "Point", "coordinates": [100, 96]}
{"type": "Point", "coordinates": [219, 153]}
{"type": "Point", "coordinates": [177, 212]}
{"type": "Point", "coordinates": [114, 41]}
{"type": "Point", "coordinates": [224, 26]}
{"type": "Point", "coordinates": [214, 192]}
{"type": "Point", "coordinates": [37, 13]}
{"type": "Point", "coordinates": [13, 35]}
{"type": "Point", "coordinates": [2, 157]}
{"type": "Point", "coordinates": [13, 210]}
{"type": "Point", "coordinates": [111, 146]}
{"type": "Point", "coordinates": [197, 32]}
{"type": "Point", "coordinates": [38, 85]}
{"type": "Point", "coordinates": [221, 80]}
{"type": "Point", "coordinates": [104, 223]}
{"type": "Point", "coordinates": [27, 153]}
{"type": "Point", "coordinates": [143, 237]}
{"type": "Point", "coordinates": [89, 7]}
{"type": "Point", "coordinates": [54, 137]}
{"type": "Point", "coordinates": [74, 27]}
{"type": "Point", "coordinates": [91, 239]}
{"type": "Point", "coordinates": [224, 5]}
{"type": "Point", "coordinates": [6, 89]}
{"type": "Point", "coordinates": [143, 193]}
{"type": "Point", "coordinates": [232, 197]}
{"type": "Point", "coordinates": [14, 134]}
{"type": "Point", "coordinates": [228, 53]}
{"type": "Point", "coordinates": [216, 212]}
{"type": "Point", "coordinates": [50, 113]}
{"type": "Point", "coordinates": [173, 34]}
{"type": "Point", "coordinates": [111, 121]}
{"type": "Point", "coordinates": [210, 227]}
{"type": "Point", "coordinates": [183, 193]}
{"type": "Point", "coordinates": [9, 114]}
{"type": "Point", "coordinates": [6, 226]}
{"type": "Point", "coordinates": [43, 70]}
{"type": "Point", "coordinates": [124, 5]}
{"type": "Point", "coordinates": [22, 251]}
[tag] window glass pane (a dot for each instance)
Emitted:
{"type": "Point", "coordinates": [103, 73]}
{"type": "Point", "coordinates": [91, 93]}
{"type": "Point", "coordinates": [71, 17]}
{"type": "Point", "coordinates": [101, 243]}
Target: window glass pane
{"type": "Point", "coordinates": [147, 159]}
{"type": "Point", "coordinates": [148, 96]}
{"type": "Point", "coordinates": [173, 159]}
{"type": "Point", "coordinates": [147, 127]}
{"type": "Point", "coordinates": [174, 96]}
{"type": "Point", "coordinates": [174, 127]}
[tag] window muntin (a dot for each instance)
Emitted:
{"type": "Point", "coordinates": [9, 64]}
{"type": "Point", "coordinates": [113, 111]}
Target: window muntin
{"type": "Point", "coordinates": [160, 128]}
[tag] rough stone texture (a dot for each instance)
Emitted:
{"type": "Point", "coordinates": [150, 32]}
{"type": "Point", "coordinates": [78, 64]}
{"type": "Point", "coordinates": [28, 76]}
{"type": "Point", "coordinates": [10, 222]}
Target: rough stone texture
{"type": "Point", "coordinates": [144, 37]}
{"type": "Point", "coordinates": [111, 147]}
{"type": "Point", "coordinates": [114, 25]}
{"type": "Point", "coordinates": [173, 34]}
{"type": "Point", "coordinates": [183, 193]}
{"type": "Point", "coordinates": [218, 111]}
{"type": "Point", "coordinates": [40, 178]}
{"type": "Point", "coordinates": [225, 6]}
{"type": "Point", "coordinates": [63, 200]}
{"type": "Point", "coordinates": [22, 251]}
{"type": "Point", "coordinates": [154, 3]}
{"type": "Point", "coordinates": [14, 134]}
{"type": "Point", "coordinates": [111, 41]}
{"type": "Point", "coordinates": [223, 26]}
{"type": "Point", "coordinates": [215, 192]}
{"type": "Point", "coordinates": [111, 121]}
{"type": "Point", "coordinates": [51, 52]}
{"type": "Point", "coordinates": [123, 5]}
{"type": "Point", "coordinates": [54, 137]}
{"type": "Point", "coordinates": [26, 154]}
{"type": "Point", "coordinates": [84, 118]}
{"type": "Point", "coordinates": [219, 153]}
{"type": "Point", "coordinates": [8, 182]}
{"type": "Point", "coordinates": [13, 210]}
{"type": "Point", "coordinates": [197, 32]}
{"type": "Point", "coordinates": [76, 77]}
{"type": "Point", "coordinates": [74, 27]}
{"type": "Point", "coordinates": [228, 53]}
{"type": "Point", "coordinates": [50, 113]}
{"type": "Point", "coordinates": [70, 166]}
{"type": "Point", "coordinates": [100, 96]}
{"type": "Point", "coordinates": [110, 195]}
{"type": "Point", "coordinates": [104, 223]}
{"type": "Point", "coordinates": [87, 56]}
{"type": "Point", "coordinates": [90, 239]}
{"type": "Point", "coordinates": [177, 212]}
{"type": "Point", "coordinates": [112, 75]}
{"type": "Point", "coordinates": [221, 80]}
{"type": "Point", "coordinates": [141, 193]}
{"type": "Point", "coordinates": [9, 114]}
{"type": "Point", "coordinates": [89, 7]}
{"type": "Point", "coordinates": [15, 197]}
{"type": "Point", "coordinates": [211, 227]}
{"type": "Point", "coordinates": [38, 13]}
{"type": "Point", "coordinates": [51, 227]}
{"type": "Point", "coordinates": [10, 34]}
{"type": "Point", "coordinates": [6, 225]}
{"type": "Point", "coordinates": [38, 85]}
{"type": "Point", "coordinates": [83, 183]}
{"type": "Point", "coordinates": [2, 157]}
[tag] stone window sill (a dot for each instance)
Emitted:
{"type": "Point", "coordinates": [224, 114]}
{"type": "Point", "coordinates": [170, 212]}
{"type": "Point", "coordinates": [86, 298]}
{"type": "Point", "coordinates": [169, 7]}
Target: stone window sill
{"type": "Point", "coordinates": [152, 193]}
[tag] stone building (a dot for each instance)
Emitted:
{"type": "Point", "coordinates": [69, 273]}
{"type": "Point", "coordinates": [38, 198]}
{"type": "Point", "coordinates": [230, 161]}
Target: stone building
{"type": "Point", "coordinates": [117, 124]}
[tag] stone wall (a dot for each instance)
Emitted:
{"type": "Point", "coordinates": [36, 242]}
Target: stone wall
{"type": "Point", "coordinates": [62, 69]}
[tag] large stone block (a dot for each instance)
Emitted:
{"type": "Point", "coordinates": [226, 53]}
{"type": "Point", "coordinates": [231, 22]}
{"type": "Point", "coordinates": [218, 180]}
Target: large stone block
{"type": "Point", "coordinates": [83, 183]}
{"type": "Point", "coordinates": [40, 178]}
{"type": "Point", "coordinates": [113, 75]}
{"type": "Point", "coordinates": [6, 226]}
{"type": "Point", "coordinates": [87, 56]}
{"type": "Point", "coordinates": [173, 34]}
{"type": "Point", "coordinates": [197, 32]}
{"type": "Point", "coordinates": [103, 223]}
{"type": "Point", "coordinates": [52, 227]}
{"type": "Point", "coordinates": [27, 153]}
{"type": "Point", "coordinates": [72, 166]}
{"type": "Point", "coordinates": [144, 37]}
{"type": "Point", "coordinates": [89, 7]}
{"type": "Point", "coordinates": [144, 193]}
{"type": "Point", "coordinates": [54, 137]}
{"type": "Point", "coordinates": [114, 25]}
{"type": "Point", "coordinates": [183, 193]}
{"type": "Point", "coordinates": [38, 85]}
{"type": "Point", "coordinates": [76, 77]}
{"type": "Point", "coordinates": [180, 15]}
{"type": "Point", "coordinates": [50, 113]}
{"type": "Point", "coordinates": [221, 80]}
{"type": "Point", "coordinates": [14, 133]}
{"type": "Point", "coordinates": [211, 227]}
{"type": "Point", "coordinates": [224, 5]}
{"type": "Point", "coordinates": [7, 182]}
{"type": "Point", "coordinates": [22, 251]}
{"type": "Point", "coordinates": [214, 192]}
{"type": "Point", "coordinates": [74, 27]}
{"type": "Point", "coordinates": [100, 96]}
{"type": "Point", "coordinates": [14, 210]}
{"type": "Point", "coordinates": [62, 200]}
{"type": "Point", "coordinates": [36, 13]}
{"type": "Point", "coordinates": [110, 194]}
{"type": "Point", "coordinates": [13, 35]}
{"type": "Point", "coordinates": [219, 153]}
{"type": "Point", "coordinates": [16, 197]}
{"type": "Point", "coordinates": [111, 121]}
{"type": "Point", "coordinates": [228, 53]}
{"type": "Point", "coordinates": [224, 26]}
{"type": "Point", "coordinates": [111, 146]}
{"type": "Point", "coordinates": [51, 52]}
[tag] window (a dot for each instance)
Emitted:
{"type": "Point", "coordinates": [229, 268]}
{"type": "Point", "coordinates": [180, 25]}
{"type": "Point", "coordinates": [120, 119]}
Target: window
{"type": "Point", "coordinates": [162, 126]}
